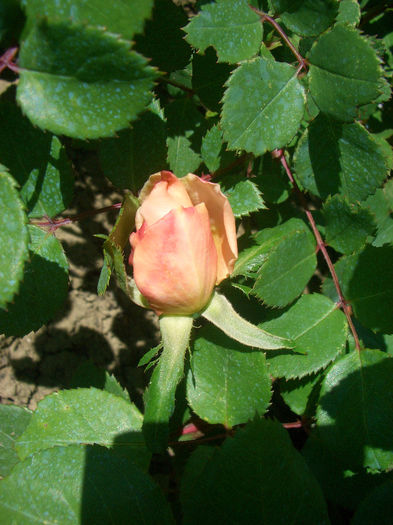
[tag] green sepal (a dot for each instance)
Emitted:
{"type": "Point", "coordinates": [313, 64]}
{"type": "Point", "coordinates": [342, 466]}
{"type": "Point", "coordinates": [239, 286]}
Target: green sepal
{"type": "Point", "coordinates": [221, 313]}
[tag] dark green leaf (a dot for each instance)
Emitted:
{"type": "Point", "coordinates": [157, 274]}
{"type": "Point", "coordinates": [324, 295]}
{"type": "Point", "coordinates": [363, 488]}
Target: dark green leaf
{"type": "Point", "coordinates": [345, 72]}
{"type": "Point", "coordinates": [80, 81]}
{"type": "Point", "coordinates": [85, 416]}
{"type": "Point", "coordinates": [348, 12]}
{"type": "Point", "coordinates": [43, 289]}
{"type": "Point", "coordinates": [13, 239]}
{"type": "Point", "coordinates": [139, 152]}
{"type": "Point", "coordinates": [11, 22]}
{"type": "Point", "coordinates": [347, 225]}
{"type": "Point", "coordinates": [377, 507]}
{"type": "Point", "coordinates": [208, 78]}
{"type": "Point", "coordinates": [163, 40]}
{"type": "Point", "coordinates": [301, 394]}
{"type": "Point", "coordinates": [228, 25]}
{"type": "Point", "coordinates": [13, 421]}
{"type": "Point", "coordinates": [69, 485]}
{"type": "Point", "coordinates": [38, 162]}
{"type": "Point", "coordinates": [381, 205]}
{"type": "Point", "coordinates": [211, 148]}
{"type": "Point", "coordinates": [330, 154]}
{"type": "Point", "coordinates": [306, 17]}
{"type": "Point", "coordinates": [353, 410]}
{"type": "Point", "coordinates": [262, 95]}
{"type": "Point", "coordinates": [256, 477]}
{"type": "Point", "coordinates": [287, 269]}
{"type": "Point", "coordinates": [227, 383]}
{"type": "Point", "coordinates": [318, 328]}
{"type": "Point", "coordinates": [272, 180]}
{"type": "Point", "coordinates": [366, 280]}
{"type": "Point", "coordinates": [243, 195]}
{"type": "Point", "coordinates": [124, 18]}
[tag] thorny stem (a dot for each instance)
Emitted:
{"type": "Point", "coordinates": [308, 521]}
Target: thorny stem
{"type": "Point", "coordinates": [344, 305]}
{"type": "Point", "coordinates": [53, 224]}
{"type": "Point", "coordinates": [281, 32]}
{"type": "Point", "coordinates": [6, 60]}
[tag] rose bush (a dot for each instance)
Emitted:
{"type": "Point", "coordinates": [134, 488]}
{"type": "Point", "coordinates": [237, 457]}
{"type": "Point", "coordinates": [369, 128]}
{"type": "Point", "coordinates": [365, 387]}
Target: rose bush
{"type": "Point", "coordinates": [184, 244]}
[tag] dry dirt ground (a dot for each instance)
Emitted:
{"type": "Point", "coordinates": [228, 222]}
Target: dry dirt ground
{"type": "Point", "coordinates": [109, 331]}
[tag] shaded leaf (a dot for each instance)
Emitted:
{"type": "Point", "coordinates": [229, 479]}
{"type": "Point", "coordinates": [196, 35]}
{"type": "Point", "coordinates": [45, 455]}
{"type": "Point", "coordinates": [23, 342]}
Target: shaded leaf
{"type": "Point", "coordinates": [377, 507]}
{"type": "Point", "coordinates": [263, 106]}
{"type": "Point", "coordinates": [43, 289]}
{"type": "Point", "coordinates": [318, 329]}
{"type": "Point", "coordinates": [301, 395]}
{"type": "Point", "coordinates": [227, 383]}
{"type": "Point", "coordinates": [80, 81]}
{"type": "Point", "coordinates": [88, 375]}
{"type": "Point", "coordinates": [228, 25]}
{"type": "Point", "coordinates": [381, 205]}
{"type": "Point", "coordinates": [14, 420]}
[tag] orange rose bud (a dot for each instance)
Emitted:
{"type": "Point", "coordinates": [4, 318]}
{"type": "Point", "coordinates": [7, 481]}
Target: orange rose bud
{"type": "Point", "coordinates": [184, 244]}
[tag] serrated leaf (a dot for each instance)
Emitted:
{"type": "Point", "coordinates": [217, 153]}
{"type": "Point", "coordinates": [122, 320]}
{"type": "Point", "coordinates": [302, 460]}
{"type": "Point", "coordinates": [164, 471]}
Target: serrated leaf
{"type": "Point", "coordinates": [139, 152]}
{"type": "Point", "coordinates": [353, 413]}
{"type": "Point", "coordinates": [211, 148]}
{"type": "Point", "coordinates": [88, 375]}
{"type": "Point", "coordinates": [124, 18]}
{"type": "Point", "coordinates": [228, 25]}
{"type": "Point", "coordinates": [165, 26]}
{"type": "Point", "coordinates": [60, 90]}
{"type": "Point", "coordinates": [105, 274]}
{"type": "Point", "coordinates": [85, 416]}
{"type": "Point", "coordinates": [38, 162]}
{"type": "Point", "coordinates": [227, 383]}
{"type": "Point", "coordinates": [244, 196]}
{"type": "Point", "coordinates": [377, 506]}
{"type": "Point", "coordinates": [299, 394]}
{"type": "Point", "coordinates": [348, 12]}
{"type": "Point", "coordinates": [381, 205]}
{"type": "Point", "coordinates": [208, 78]}
{"type": "Point", "coordinates": [70, 485]}
{"type": "Point", "coordinates": [347, 149]}
{"type": "Point", "coordinates": [185, 131]}
{"type": "Point", "coordinates": [347, 225]}
{"type": "Point", "coordinates": [43, 289]}
{"type": "Point", "coordinates": [344, 73]}
{"type": "Point", "coordinates": [318, 329]}
{"type": "Point", "coordinates": [287, 269]}
{"type": "Point", "coordinates": [13, 238]}
{"type": "Point", "coordinates": [306, 17]}
{"type": "Point", "coordinates": [13, 421]}
{"type": "Point", "coordinates": [366, 281]}
{"type": "Point", "coordinates": [238, 483]}
{"type": "Point", "coordinates": [263, 106]}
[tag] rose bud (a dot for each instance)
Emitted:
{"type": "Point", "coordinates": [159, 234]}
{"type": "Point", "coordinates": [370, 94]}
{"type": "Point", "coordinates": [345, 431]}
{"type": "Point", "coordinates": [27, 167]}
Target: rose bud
{"type": "Point", "coordinates": [184, 244]}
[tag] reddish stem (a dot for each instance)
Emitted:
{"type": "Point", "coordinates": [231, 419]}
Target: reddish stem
{"type": "Point", "coordinates": [53, 224]}
{"type": "Point", "coordinates": [281, 32]}
{"type": "Point", "coordinates": [6, 60]}
{"type": "Point", "coordinates": [344, 305]}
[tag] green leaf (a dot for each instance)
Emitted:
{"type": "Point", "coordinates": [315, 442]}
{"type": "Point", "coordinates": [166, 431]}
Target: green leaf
{"type": "Point", "coordinates": [244, 196]}
{"type": "Point", "coordinates": [227, 383]}
{"type": "Point", "coordinates": [139, 152]}
{"type": "Point", "coordinates": [208, 78]}
{"type": "Point", "coordinates": [211, 148]}
{"type": "Point", "coordinates": [11, 22]}
{"type": "Point", "coordinates": [185, 131]}
{"type": "Point", "coordinates": [347, 225]}
{"type": "Point", "coordinates": [160, 397]}
{"type": "Point", "coordinates": [348, 12]}
{"type": "Point", "coordinates": [381, 205]}
{"type": "Point", "coordinates": [228, 25]}
{"type": "Point", "coordinates": [13, 238]}
{"type": "Point", "coordinates": [43, 289]}
{"type": "Point", "coordinates": [124, 18]}
{"type": "Point", "coordinates": [318, 329]}
{"type": "Point", "coordinates": [262, 95]}
{"type": "Point", "coordinates": [366, 281]}
{"type": "Point", "coordinates": [347, 149]}
{"type": "Point", "coordinates": [272, 180]}
{"type": "Point", "coordinates": [165, 26]}
{"type": "Point", "coordinates": [80, 81]}
{"type": "Point", "coordinates": [377, 507]}
{"type": "Point", "coordinates": [255, 477]}
{"type": "Point", "coordinates": [301, 394]}
{"type": "Point", "coordinates": [85, 416]}
{"type": "Point", "coordinates": [14, 420]}
{"type": "Point", "coordinates": [38, 162]}
{"type": "Point", "coordinates": [287, 269]}
{"type": "Point", "coordinates": [69, 485]}
{"type": "Point", "coordinates": [88, 375]}
{"type": "Point", "coordinates": [306, 17]}
{"type": "Point", "coordinates": [353, 414]}
{"type": "Point", "coordinates": [344, 73]}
